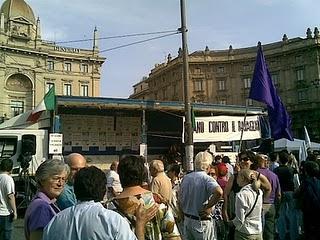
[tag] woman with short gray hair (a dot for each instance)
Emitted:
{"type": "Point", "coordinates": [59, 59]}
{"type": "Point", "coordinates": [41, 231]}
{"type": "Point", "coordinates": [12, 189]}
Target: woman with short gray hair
{"type": "Point", "coordinates": [50, 176]}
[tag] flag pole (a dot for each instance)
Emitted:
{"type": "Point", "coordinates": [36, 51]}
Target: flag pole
{"type": "Point", "coordinates": [242, 129]}
{"type": "Point", "coordinates": [263, 90]}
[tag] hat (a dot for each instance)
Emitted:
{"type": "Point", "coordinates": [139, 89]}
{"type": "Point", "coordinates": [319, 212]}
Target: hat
{"type": "Point", "coordinates": [222, 169]}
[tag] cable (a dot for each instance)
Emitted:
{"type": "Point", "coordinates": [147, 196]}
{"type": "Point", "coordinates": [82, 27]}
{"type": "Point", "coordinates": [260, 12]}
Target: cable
{"type": "Point", "coordinates": [110, 49]}
{"type": "Point", "coordinates": [137, 42]}
{"type": "Point", "coordinates": [117, 36]}
{"type": "Point", "coordinates": [114, 48]}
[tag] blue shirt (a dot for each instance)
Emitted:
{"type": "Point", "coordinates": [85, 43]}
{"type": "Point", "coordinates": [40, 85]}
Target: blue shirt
{"type": "Point", "coordinates": [88, 220]}
{"type": "Point", "coordinates": [195, 190]}
{"type": "Point", "coordinates": [67, 198]}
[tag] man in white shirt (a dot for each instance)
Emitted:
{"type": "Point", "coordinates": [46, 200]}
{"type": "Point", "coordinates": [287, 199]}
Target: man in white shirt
{"type": "Point", "coordinates": [8, 210]}
{"type": "Point", "coordinates": [113, 181]}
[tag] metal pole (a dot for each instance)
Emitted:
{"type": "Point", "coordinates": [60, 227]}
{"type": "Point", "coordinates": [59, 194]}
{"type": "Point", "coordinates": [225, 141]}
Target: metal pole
{"type": "Point", "coordinates": [144, 127]}
{"type": "Point", "coordinates": [242, 129]}
{"type": "Point", "coordinates": [188, 133]}
{"type": "Point", "coordinates": [143, 144]}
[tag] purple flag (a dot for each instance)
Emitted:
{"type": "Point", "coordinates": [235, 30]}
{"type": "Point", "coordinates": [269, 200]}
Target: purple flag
{"type": "Point", "coordinates": [263, 90]}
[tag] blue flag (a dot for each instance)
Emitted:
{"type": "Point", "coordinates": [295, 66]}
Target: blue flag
{"type": "Point", "coordinates": [263, 90]}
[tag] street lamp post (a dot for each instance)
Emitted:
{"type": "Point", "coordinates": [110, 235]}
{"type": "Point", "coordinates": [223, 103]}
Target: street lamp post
{"type": "Point", "coordinates": [188, 131]}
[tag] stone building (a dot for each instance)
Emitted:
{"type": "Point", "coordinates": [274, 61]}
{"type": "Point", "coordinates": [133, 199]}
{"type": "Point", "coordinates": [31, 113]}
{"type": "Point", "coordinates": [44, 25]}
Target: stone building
{"type": "Point", "coordinates": [30, 66]}
{"type": "Point", "coordinates": [224, 77]}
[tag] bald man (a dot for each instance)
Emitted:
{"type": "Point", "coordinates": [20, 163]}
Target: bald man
{"type": "Point", "coordinates": [67, 198]}
{"type": "Point", "coordinates": [160, 183]}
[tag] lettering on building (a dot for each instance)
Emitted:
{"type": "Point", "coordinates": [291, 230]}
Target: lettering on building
{"type": "Point", "coordinates": [66, 49]}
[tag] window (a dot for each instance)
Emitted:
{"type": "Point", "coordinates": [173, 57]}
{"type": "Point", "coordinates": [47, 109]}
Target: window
{"type": "Point", "coordinates": [272, 63]}
{"type": "Point", "coordinates": [49, 85]}
{"type": "Point", "coordinates": [50, 65]}
{"type": "Point", "coordinates": [302, 96]}
{"type": "Point", "coordinates": [249, 102]}
{"type": "Point", "coordinates": [198, 85]}
{"type": "Point", "coordinates": [175, 89]}
{"type": "Point", "coordinates": [67, 67]}
{"type": "Point", "coordinates": [8, 146]}
{"type": "Point", "coordinates": [220, 69]}
{"type": "Point", "coordinates": [275, 79]}
{"type": "Point", "coordinates": [17, 107]}
{"type": "Point", "coordinates": [246, 67]}
{"type": "Point", "coordinates": [221, 85]}
{"type": "Point", "coordinates": [298, 59]}
{"type": "Point", "coordinates": [247, 83]}
{"type": "Point", "coordinates": [164, 94]}
{"type": "Point", "coordinates": [84, 90]}
{"type": "Point", "coordinates": [197, 70]}
{"type": "Point", "coordinates": [84, 68]}
{"type": "Point", "coordinates": [223, 101]}
{"type": "Point", "coordinates": [67, 89]}
{"type": "Point", "coordinates": [300, 74]}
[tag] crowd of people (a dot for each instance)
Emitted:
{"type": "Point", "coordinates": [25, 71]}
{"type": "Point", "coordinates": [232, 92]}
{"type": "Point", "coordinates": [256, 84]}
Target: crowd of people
{"type": "Point", "coordinates": [270, 197]}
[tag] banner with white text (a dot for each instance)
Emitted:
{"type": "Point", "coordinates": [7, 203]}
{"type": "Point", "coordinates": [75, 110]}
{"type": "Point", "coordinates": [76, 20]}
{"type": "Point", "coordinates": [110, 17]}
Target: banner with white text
{"type": "Point", "coordinates": [225, 128]}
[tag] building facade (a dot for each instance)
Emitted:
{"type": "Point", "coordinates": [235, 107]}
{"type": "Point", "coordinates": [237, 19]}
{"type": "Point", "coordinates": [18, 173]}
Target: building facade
{"type": "Point", "coordinates": [224, 77]}
{"type": "Point", "coordinates": [30, 66]}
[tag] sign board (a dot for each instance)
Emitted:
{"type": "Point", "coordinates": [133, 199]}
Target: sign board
{"type": "Point", "coordinates": [143, 150]}
{"type": "Point", "coordinates": [55, 143]}
{"type": "Point", "coordinates": [225, 128]}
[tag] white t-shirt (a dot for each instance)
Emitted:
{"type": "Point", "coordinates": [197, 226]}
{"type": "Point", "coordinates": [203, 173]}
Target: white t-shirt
{"type": "Point", "coordinates": [113, 181]}
{"type": "Point", "coordinates": [6, 188]}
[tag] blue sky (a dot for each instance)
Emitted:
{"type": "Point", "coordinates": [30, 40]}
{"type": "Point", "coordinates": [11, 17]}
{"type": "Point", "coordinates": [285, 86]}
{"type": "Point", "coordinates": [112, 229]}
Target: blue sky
{"type": "Point", "coordinates": [213, 23]}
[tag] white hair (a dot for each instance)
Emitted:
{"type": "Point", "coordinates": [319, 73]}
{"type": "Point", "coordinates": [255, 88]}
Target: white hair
{"type": "Point", "coordinates": [203, 161]}
{"type": "Point", "coordinates": [49, 168]}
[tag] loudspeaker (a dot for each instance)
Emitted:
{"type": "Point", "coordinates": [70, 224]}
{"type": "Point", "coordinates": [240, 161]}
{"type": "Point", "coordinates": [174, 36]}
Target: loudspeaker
{"type": "Point", "coordinates": [28, 144]}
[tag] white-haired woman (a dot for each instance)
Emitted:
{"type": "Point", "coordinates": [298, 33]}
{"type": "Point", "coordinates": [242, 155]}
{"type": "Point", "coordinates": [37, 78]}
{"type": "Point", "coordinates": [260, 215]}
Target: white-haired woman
{"type": "Point", "coordinates": [50, 176]}
{"type": "Point", "coordinates": [248, 207]}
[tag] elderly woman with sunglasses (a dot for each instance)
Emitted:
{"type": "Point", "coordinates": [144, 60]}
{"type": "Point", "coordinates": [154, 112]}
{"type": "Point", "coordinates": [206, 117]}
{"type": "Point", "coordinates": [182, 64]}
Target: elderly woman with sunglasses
{"type": "Point", "coordinates": [246, 161]}
{"type": "Point", "coordinates": [50, 177]}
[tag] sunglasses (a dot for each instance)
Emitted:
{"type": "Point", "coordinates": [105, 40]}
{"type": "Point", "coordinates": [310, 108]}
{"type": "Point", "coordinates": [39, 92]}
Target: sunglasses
{"type": "Point", "coordinates": [245, 159]}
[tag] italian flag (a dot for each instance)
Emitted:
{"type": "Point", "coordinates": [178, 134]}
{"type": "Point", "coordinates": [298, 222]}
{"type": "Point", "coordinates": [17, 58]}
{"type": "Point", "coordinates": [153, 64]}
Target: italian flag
{"type": "Point", "coordinates": [47, 103]}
